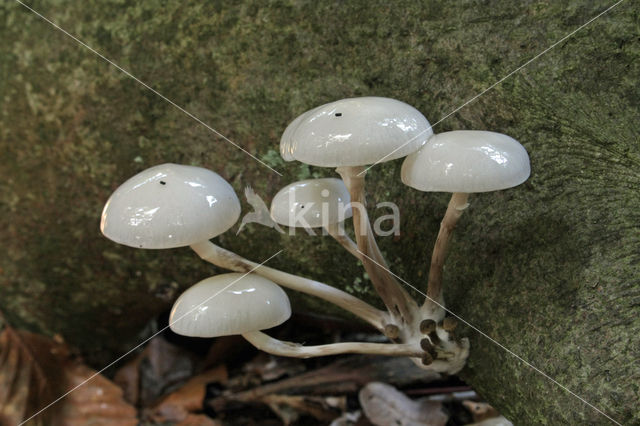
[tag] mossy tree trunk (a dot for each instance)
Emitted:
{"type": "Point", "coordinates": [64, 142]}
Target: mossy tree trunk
{"type": "Point", "coordinates": [548, 269]}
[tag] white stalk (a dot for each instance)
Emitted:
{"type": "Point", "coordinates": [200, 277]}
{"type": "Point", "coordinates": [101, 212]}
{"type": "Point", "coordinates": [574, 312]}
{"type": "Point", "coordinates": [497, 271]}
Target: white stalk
{"type": "Point", "coordinates": [344, 240]}
{"type": "Point", "coordinates": [456, 206]}
{"type": "Point", "coordinates": [278, 347]}
{"type": "Point", "coordinates": [229, 260]}
{"type": "Point", "coordinates": [394, 296]}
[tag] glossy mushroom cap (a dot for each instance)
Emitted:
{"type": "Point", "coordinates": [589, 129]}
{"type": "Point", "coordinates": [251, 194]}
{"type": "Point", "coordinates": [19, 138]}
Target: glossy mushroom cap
{"type": "Point", "coordinates": [169, 206]}
{"type": "Point", "coordinates": [355, 132]}
{"type": "Point", "coordinates": [467, 161]}
{"type": "Point", "coordinates": [229, 304]}
{"type": "Point", "coordinates": [312, 202]}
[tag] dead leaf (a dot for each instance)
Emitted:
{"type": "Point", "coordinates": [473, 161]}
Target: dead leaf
{"type": "Point", "coordinates": [163, 368]}
{"type": "Point", "coordinates": [189, 398]}
{"type": "Point", "coordinates": [385, 405]}
{"type": "Point", "coordinates": [160, 368]}
{"type": "Point", "coordinates": [35, 370]}
{"type": "Point", "coordinates": [98, 401]}
{"type": "Point", "coordinates": [23, 382]}
{"type": "Point", "coordinates": [128, 378]}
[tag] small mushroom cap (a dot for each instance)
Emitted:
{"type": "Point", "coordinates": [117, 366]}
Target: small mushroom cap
{"type": "Point", "coordinates": [467, 161]}
{"type": "Point", "coordinates": [355, 132]}
{"type": "Point", "coordinates": [317, 202]}
{"type": "Point", "coordinates": [169, 206]}
{"type": "Point", "coordinates": [229, 304]}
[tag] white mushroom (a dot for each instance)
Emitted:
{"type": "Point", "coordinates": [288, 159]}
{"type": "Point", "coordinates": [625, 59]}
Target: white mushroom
{"type": "Point", "coordinates": [169, 206]}
{"type": "Point", "coordinates": [229, 304]}
{"type": "Point", "coordinates": [172, 205]}
{"type": "Point", "coordinates": [247, 303]}
{"type": "Point", "coordinates": [462, 162]}
{"type": "Point", "coordinates": [311, 203]}
{"type": "Point", "coordinates": [349, 134]}
{"type": "Point", "coordinates": [355, 132]}
{"type": "Point", "coordinates": [467, 161]}
{"type": "Point", "coordinates": [316, 203]}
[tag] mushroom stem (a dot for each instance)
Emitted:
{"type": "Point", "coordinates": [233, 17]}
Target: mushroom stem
{"type": "Point", "coordinates": [229, 260]}
{"type": "Point", "coordinates": [344, 240]}
{"type": "Point", "coordinates": [457, 204]}
{"type": "Point", "coordinates": [278, 347]}
{"type": "Point", "coordinates": [397, 300]}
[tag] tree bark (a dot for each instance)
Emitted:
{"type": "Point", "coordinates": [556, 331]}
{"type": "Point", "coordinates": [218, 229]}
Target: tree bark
{"type": "Point", "coordinates": [548, 269]}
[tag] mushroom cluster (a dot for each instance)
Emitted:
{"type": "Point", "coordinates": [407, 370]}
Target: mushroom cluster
{"type": "Point", "coordinates": [172, 205]}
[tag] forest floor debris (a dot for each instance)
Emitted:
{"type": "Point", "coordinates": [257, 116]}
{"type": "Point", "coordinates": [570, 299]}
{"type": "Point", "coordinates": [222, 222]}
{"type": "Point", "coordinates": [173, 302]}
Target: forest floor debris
{"type": "Point", "coordinates": [177, 381]}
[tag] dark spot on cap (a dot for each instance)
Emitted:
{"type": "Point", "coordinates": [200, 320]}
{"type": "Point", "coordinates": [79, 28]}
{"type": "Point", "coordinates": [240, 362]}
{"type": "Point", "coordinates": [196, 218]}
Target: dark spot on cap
{"type": "Point", "coordinates": [163, 182]}
{"type": "Point", "coordinates": [338, 114]}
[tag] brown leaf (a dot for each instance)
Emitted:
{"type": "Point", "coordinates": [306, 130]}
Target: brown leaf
{"type": "Point", "coordinates": [163, 368]}
{"type": "Point", "coordinates": [97, 401]}
{"type": "Point", "coordinates": [189, 398]}
{"type": "Point", "coordinates": [23, 382]}
{"type": "Point", "coordinates": [159, 368]}
{"type": "Point", "coordinates": [36, 370]}
{"type": "Point", "coordinates": [128, 378]}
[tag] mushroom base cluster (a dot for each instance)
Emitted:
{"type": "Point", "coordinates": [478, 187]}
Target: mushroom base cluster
{"type": "Point", "coordinates": [174, 205]}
